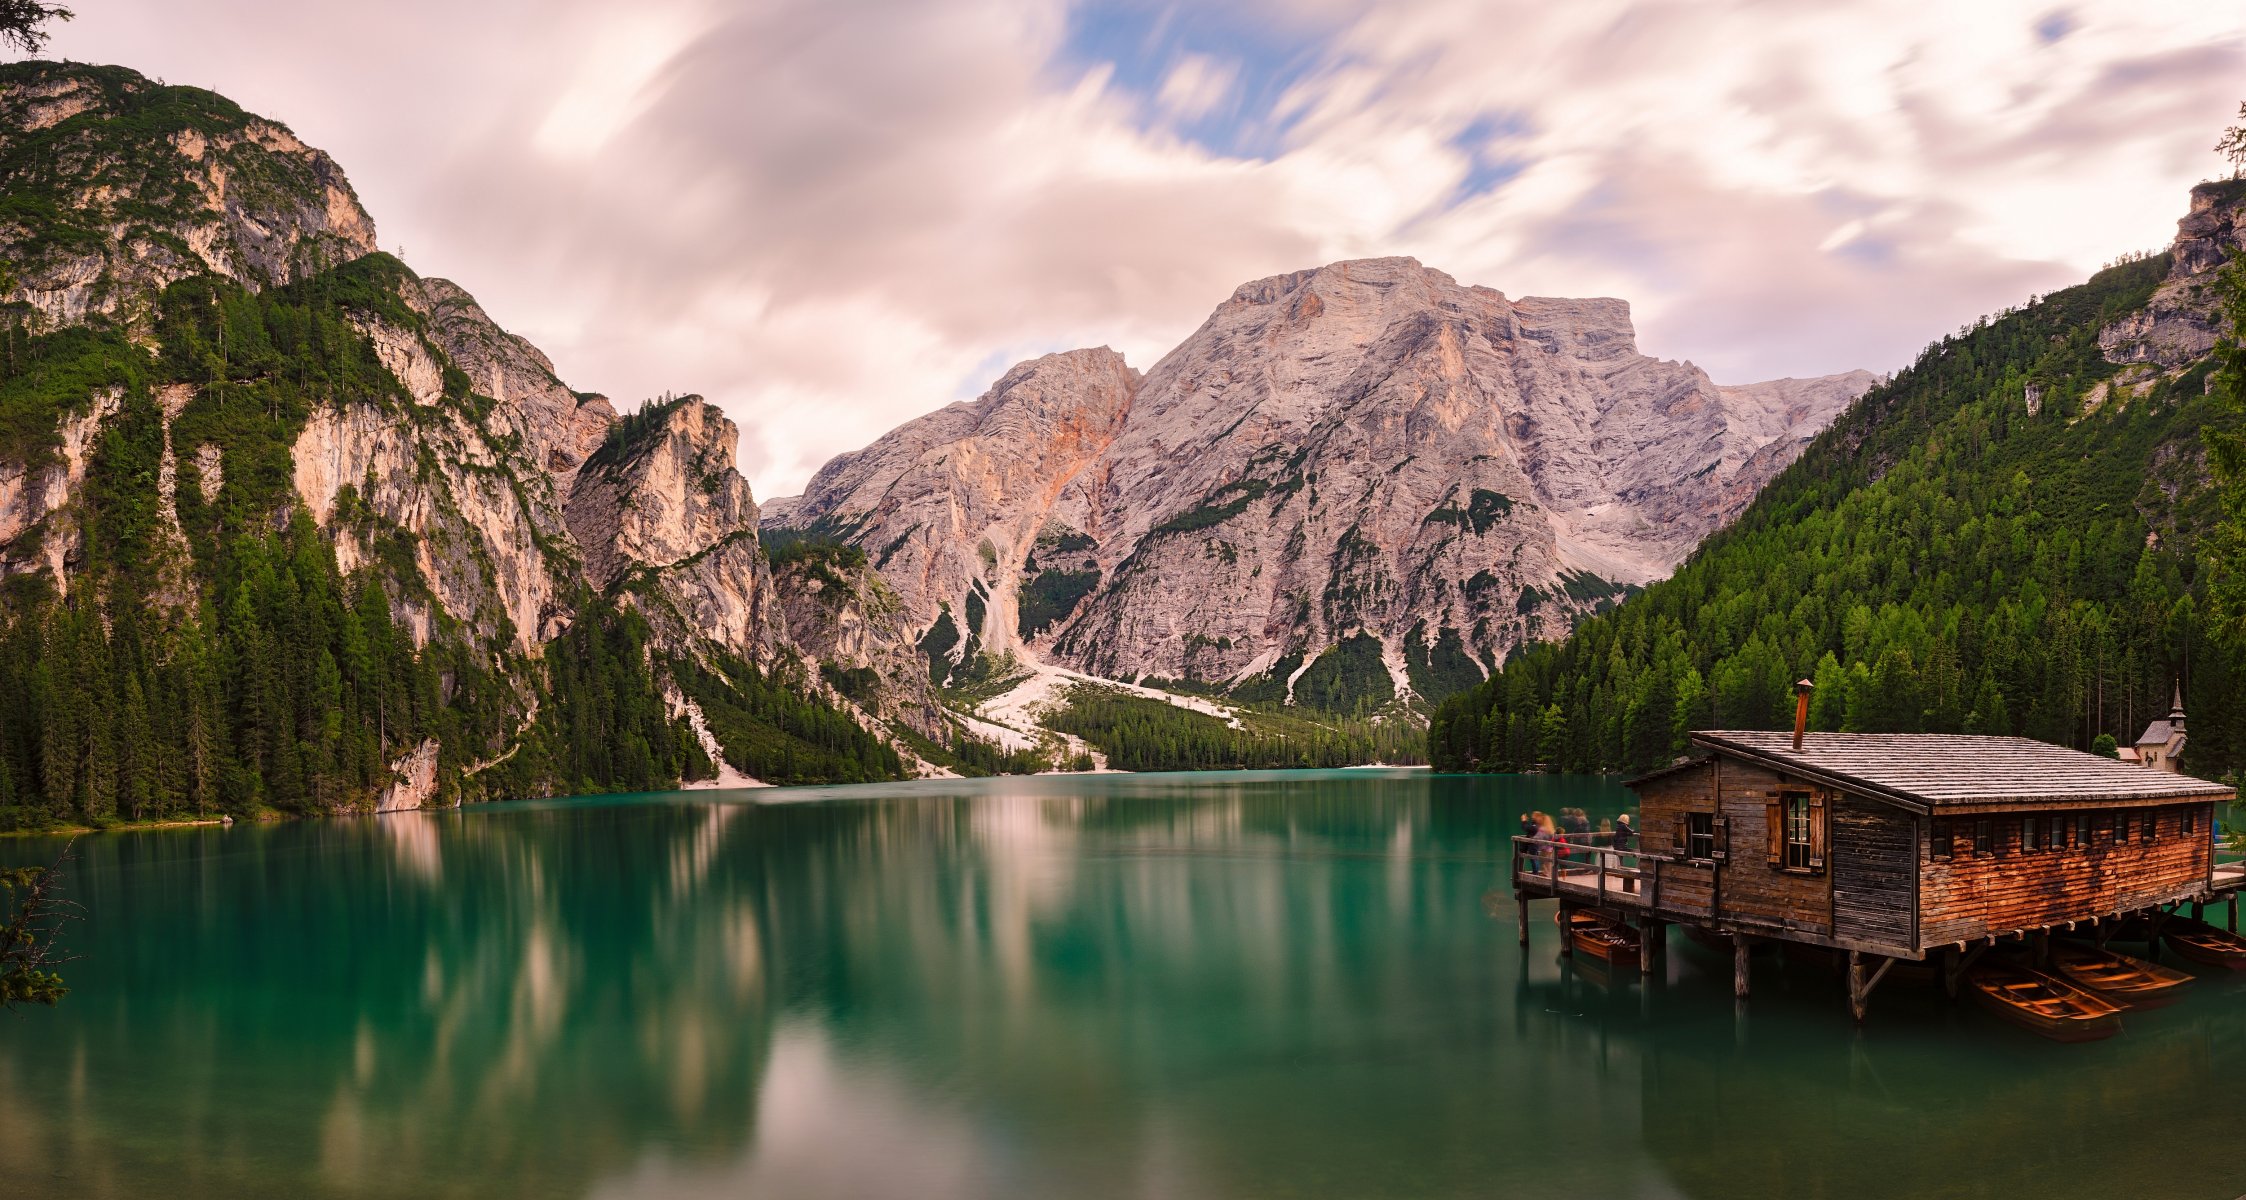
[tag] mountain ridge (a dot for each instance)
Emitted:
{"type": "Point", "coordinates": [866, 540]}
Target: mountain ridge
{"type": "Point", "coordinates": [1146, 562]}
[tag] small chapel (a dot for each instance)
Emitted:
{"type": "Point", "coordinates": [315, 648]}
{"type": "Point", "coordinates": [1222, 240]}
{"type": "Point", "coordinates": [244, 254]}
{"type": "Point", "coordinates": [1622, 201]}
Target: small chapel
{"type": "Point", "coordinates": [2162, 743]}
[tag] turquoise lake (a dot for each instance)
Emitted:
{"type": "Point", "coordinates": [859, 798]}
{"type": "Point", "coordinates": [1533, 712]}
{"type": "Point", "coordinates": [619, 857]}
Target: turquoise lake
{"type": "Point", "coordinates": [1297, 984]}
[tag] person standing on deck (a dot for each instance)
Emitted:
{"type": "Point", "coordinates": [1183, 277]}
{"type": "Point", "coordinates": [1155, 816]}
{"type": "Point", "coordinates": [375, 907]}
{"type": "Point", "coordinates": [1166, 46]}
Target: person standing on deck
{"type": "Point", "coordinates": [1626, 838]}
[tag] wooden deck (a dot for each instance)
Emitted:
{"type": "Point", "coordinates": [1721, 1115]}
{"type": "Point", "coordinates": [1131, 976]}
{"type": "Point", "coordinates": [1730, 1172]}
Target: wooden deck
{"type": "Point", "coordinates": [1592, 874]}
{"type": "Point", "coordinates": [2227, 877]}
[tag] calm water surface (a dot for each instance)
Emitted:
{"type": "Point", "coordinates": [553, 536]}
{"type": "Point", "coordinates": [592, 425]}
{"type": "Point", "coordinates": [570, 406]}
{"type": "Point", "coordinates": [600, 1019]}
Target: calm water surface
{"type": "Point", "coordinates": [1288, 985]}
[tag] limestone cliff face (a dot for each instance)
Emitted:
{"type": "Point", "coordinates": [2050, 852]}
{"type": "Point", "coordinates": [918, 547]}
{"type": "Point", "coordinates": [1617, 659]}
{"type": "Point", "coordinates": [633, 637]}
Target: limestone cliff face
{"type": "Point", "coordinates": [661, 498]}
{"type": "Point", "coordinates": [1366, 456]}
{"type": "Point", "coordinates": [951, 507]}
{"type": "Point", "coordinates": [2179, 327]}
{"type": "Point", "coordinates": [107, 217]}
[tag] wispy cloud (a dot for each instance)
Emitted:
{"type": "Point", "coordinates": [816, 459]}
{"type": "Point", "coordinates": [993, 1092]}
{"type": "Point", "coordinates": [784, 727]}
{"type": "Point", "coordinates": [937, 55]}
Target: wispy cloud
{"type": "Point", "coordinates": [832, 215]}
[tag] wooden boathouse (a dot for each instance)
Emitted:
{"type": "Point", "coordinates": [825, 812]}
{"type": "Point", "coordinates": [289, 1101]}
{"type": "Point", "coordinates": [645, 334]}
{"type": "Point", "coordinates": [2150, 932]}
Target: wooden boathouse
{"type": "Point", "coordinates": [1891, 848]}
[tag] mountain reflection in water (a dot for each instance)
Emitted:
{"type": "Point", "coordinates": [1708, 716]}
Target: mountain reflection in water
{"type": "Point", "coordinates": [1187, 985]}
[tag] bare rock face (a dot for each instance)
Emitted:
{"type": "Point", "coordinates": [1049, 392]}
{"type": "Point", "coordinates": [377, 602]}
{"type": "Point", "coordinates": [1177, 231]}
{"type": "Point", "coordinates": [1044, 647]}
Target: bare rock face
{"type": "Point", "coordinates": [661, 497]}
{"type": "Point", "coordinates": [557, 427]}
{"type": "Point", "coordinates": [1367, 461]}
{"type": "Point", "coordinates": [2180, 325]}
{"type": "Point", "coordinates": [952, 505]}
{"type": "Point", "coordinates": [143, 185]}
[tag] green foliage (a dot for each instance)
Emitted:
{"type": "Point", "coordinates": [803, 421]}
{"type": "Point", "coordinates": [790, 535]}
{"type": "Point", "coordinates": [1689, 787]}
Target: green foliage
{"type": "Point", "coordinates": [32, 914]}
{"type": "Point", "coordinates": [836, 564]}
{"type": "Point", "coordinates": [1216, 508]}
{"type": "Point", "coordinates": [937, 645]}
{"type": "Point", "coordinates": [2226, 454]}
{"type": "Point", "coordinates": [1349, 677]}
{"type": "Point", "coordinates": [1050, 596]}
{"type": "Point", "coordinates": [1141, 734]}
{"type": "Point", "coordinates": [775, 733]}
{"type": "Point", "coordinates": [1484, 508]}
{"type": "Point", "coordinates": [633, 434]}
{"type": "Point", "coordinates": [1939, 560]}
{"type": "Point", "coordinates": [1440, 670]}
{"type": "Point", "coordinates": [23, 23]}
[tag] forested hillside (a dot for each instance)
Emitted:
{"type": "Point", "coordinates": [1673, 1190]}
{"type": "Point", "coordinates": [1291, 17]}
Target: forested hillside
{"type": "Point", "coordinates": [281, 521]}
{"type": "Point", "coordinates": [2005, 538]}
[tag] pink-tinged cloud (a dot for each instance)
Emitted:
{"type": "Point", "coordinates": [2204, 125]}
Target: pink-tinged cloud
{"type": "Point", "coordinates": [833, 215]}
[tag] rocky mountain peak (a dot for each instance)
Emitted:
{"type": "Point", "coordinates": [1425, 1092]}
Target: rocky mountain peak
{"type": "Point", "coordinates": [2180, 325]}
{"type": "Point", "coordinates": [1364, 459]}
{"type": "Point", "coordinates": [125, 185]}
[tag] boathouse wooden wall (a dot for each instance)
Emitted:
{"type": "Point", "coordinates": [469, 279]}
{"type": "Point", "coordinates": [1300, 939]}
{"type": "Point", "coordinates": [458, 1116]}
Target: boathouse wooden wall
{"type": "Point", "coordinates": [1749, 890]}
{"type": "Point", "coordinates": [1689, 886]}
{"type": "Point", "coordinates": [1975, 895]}
{"type": "Point", "coordinates": [1875, 880]}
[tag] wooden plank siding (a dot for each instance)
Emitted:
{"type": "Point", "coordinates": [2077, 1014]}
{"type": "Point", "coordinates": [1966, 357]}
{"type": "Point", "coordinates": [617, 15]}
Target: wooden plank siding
{"type": "Point", "coordinates": [1681, 887]}
{"type": "Point", "coordinates": [1875, 872]}
{"type": "Point", "coordinates": [1974, 895]}
{"type": "Point", "coordinates": [1751, 891]}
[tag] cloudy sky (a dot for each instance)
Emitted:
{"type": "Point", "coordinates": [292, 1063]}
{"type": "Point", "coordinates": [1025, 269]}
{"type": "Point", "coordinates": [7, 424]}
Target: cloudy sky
{"type": "Point", "coordinates": [832, 215]}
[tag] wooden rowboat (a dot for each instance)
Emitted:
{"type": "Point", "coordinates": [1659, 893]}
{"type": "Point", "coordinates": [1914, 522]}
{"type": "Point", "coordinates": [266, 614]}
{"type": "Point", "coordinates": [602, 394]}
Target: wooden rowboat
{"type": "Point", "coordinates": [2205, 944]}
{"type": "Point", "coordinates": [2044, 1004]}
{"type": "Point", "coordinates": [1601, 937]}
{"type": "Point", "coordinates": [2118, 977]}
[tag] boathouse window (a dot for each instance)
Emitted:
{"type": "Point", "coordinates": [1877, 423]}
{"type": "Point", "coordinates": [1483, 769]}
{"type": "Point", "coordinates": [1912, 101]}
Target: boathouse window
{"type": "Point", "coordinates": [1700, 835]}
{"type": "Point", "coordinates": [2120, 828]}
{"type": "Point", "coordinates": [1938, 843]}
{"type": "Point", "coordinates": [2190, 819]}
{"type": "Point", "coordinates": [2082, 831]}
{"type": "Point", "coordinates": [2152, 826]}
{"type": "Point", "coordinates": [1797, 816]}
{"type": "Point", "coordinates": [2030, 827]}
{"type": "Point", "coordinates": [1984, 836]}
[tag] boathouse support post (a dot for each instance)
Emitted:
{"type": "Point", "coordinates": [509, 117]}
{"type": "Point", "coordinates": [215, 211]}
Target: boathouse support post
{"type": "Point", "coordinates": [2234, 912]}
{"type": "Point", "coordinates": [1953, 975]}
{"type": "Point", "coordinates": [1739, 965]}
{"type": "Point", "coordinates": [1567, 930]}
{"type": "Point", "coordinates": [1521, 909]}
{"type": "Point", "coordinates": [1861, 981]}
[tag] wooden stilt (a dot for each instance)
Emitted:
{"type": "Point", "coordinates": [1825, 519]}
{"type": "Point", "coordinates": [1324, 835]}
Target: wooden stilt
{"type": "Point", "coordinates": [2042, 944]}
{"type": "Point", "coordinates": [2198, 911]}
{"type": "Point", "coordinates": [1521, 909]}
{"type": "Point", "coordinates": [1953, 973]}
{"type": "Point", "coordinates": [1861, 980]}
{"type": "Point", "coordinates": [1739, 965]}
{"type": "Point", "coordinates": [2234, 912]}
{"type": "Point", "coordinates": [1567, 943]}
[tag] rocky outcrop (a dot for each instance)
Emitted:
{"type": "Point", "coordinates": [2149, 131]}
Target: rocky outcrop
{"type": "Point", "coordinates": [124, 186]}
{"type": "Point", "coordinates": [2178, 328]}
{"type": "Point", "coordinates": [413, 780]}
{"type": "Point", "coordinates": [845, 619]}
{"type": "Point", "coordinates": [951, 506]}
{"type": "Point", "coordinates": [557, 428]}
{"type": "Point", "coordinates": [1366, 464]}
{"type": "Point", "coordinates": [37, 532]}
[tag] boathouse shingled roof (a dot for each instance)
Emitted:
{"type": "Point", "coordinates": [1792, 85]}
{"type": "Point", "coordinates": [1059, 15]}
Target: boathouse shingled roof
{"type": "Point", "coordinates": [1932, 770]}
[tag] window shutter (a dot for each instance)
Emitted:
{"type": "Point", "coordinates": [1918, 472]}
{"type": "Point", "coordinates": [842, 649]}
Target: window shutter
{"type": "Point", "coordinates": [1817, 831]}
{"type": "Point", "coordinates": [1678, 829]}
{"type": "Point", "coordinates": [1722, 828]}
{"type": "Point", "coordinates": [1774, 814]}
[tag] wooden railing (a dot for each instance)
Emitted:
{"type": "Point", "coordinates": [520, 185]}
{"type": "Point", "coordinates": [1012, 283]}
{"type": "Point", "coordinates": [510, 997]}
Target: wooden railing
{"type": "Point", "coordinates": [1581, 863]}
